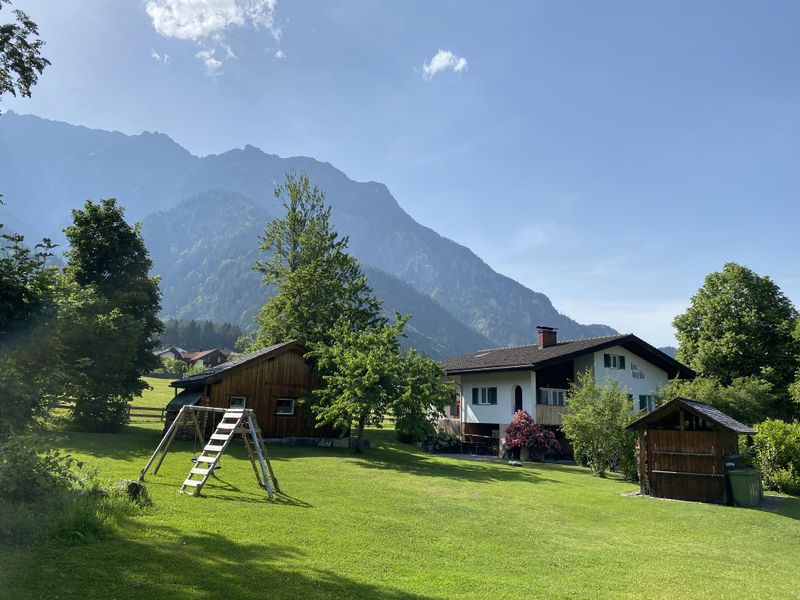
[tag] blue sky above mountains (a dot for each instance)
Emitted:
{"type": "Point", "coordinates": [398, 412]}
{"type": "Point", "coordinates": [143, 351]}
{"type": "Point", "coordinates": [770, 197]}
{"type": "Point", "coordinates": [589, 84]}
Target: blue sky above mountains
{"type": "Point", "coordinates": [608, 155]}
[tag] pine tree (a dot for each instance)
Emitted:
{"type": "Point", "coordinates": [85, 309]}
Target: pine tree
{"type": "Point", "coordinates": [317, 282]}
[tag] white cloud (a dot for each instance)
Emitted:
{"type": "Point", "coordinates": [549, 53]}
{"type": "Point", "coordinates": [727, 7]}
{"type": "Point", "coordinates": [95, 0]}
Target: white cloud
{"type": "Point", "coordinates": [213, 65]}
{"type": "Point", "coordinates": [199, 19]}
{"type": "Point", "coordinates": [442, 60]}
{"type": "Point", "coordinates": [207, 21]}
{"type": "Point", "coordinates": [159, 58]}
{"type": "Point", "coordinates": [280, 54]}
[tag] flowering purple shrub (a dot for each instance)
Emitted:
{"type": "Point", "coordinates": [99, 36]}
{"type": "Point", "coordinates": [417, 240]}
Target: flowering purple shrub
{"type": "Point", "coordinates": [524, 433]}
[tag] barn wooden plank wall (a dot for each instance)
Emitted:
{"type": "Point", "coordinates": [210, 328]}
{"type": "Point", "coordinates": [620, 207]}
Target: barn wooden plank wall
{"type": "Point", "coordinates": [688, 465]}
{"type": "Point", "coordinates": [263, 382]}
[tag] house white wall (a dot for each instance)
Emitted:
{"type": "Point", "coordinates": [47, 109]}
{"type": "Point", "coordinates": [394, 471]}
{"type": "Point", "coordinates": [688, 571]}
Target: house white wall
{"type": "Point", "coordinates": [505, 382]}
{"type": "Point", "coordinates": [653, 377]}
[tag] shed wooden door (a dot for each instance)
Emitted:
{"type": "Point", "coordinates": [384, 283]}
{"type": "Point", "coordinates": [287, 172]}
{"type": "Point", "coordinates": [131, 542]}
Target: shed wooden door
{"type": "Point", "coordinates": [688, 465]}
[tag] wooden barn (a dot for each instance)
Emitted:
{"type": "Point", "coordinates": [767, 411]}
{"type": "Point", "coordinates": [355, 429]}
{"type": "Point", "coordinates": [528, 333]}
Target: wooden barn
{"type": "Point", "coordinates": [682, 449]}
{"type": "Point", "coordinates": [271, 381]}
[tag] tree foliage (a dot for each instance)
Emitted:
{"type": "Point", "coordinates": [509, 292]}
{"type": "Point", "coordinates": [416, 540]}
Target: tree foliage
{"type": "Point", "coordinates": [111, 341]}
{"type": "Point", "coordinates": [366, 377]}
{"type": "Point", "coordinates": [194, 335]}
{"type": "Point", "coordinates": [740, 324]}
{"type": "Point", "coordinates": [746, 399]}
{"type": "Point", "coordinates": [318, 283]}
{"type": "Point", "coordinates": [21, 60]}
{"type": "Point", "coordinates": [421, 396]}
{"type": "Point", "coordinates": [32, 303]}
{"type": "Point", "coordinates": [595, 426]}
{"type": "Point", "coordinates": [776, 449]}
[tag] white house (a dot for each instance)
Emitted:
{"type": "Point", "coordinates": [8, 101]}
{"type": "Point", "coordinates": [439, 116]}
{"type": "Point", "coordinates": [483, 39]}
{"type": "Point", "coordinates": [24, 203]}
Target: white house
{"type": "Point", "coordinates": [493, 384]}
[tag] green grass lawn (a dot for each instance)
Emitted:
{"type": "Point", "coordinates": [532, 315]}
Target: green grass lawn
{"type": "Point", "coordinates": [397, 523]}
{"type": "Point", "coordinates": [157, 397]}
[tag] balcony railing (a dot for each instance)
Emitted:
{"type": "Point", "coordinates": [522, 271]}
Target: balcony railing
{"type": "Point", "coordinates": [551, 406]}
{"type": "Point", "coordinates": [550, 415]}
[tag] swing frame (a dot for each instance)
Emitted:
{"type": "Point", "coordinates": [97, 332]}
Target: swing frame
{"type": "Point", "coordinates": [181, 419]}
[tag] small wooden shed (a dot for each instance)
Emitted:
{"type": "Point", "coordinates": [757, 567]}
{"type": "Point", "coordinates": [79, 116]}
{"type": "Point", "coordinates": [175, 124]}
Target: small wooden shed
{"type": "Point", "coordinates": [682, 450]}
{"type": "Point", "coordinates": [271, 381]}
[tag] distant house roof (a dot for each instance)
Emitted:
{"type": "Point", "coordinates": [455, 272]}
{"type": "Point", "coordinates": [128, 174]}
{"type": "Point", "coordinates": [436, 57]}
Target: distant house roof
{"type": "Point", "coordinates": [701, 409]}
{"type": "Point", "coordinates": [173, 349]}
{"type": "Point", "coordinates": [214, 373]}
{"type": "Point", "coordinates": [532, 357]}
{"type": "Point", "coordinates": [200, 354]}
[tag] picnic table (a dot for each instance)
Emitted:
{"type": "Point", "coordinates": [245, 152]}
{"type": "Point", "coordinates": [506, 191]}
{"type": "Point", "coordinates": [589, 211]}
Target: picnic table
{"type": "Point", "coordinates": [477, 444]}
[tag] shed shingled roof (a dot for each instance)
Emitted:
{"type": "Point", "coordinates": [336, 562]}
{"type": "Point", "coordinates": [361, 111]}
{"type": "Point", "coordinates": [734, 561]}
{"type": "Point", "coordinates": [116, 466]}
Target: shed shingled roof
{"type": "Point", "coordinates": [706, 411]}
{"type": "Point", "coordinates": [532, 357]}
{"type": "Point", "coordinates": [214, 373]}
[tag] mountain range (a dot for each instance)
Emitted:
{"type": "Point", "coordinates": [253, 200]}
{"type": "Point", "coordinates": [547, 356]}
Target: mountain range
{"type": "Point", "coordinates": [201, 218]}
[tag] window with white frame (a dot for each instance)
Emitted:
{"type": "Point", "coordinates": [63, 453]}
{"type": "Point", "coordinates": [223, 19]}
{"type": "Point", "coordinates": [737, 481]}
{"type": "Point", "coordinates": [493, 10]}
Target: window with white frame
{"type": "Point", "coordinates": [552, 397]}
{"type": "Point", "coordinates": [284, 407]}
{"type": "Point", "coordinates": [646, 402]}
{"type": "Point", "coordinates": [237, 402]}
{"type": "Point", "coordinates": [484, 395]}
{"type": "Point", "coordinates": [614, 361]}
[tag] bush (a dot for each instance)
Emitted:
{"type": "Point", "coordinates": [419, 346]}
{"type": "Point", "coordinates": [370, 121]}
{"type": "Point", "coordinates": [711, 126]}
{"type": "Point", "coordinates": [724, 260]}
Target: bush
{"type": "Point", "coordinates": [441, 441]}
{"type": "Point", "coordinates": [45, 495]}
{"type": "Point", "coordinates": [27, 475]}
{"type": "Point", "coordinates": [776, 451]}
{"type": "Point", "coordinates": [595, 425]}
{"type": "Point", "coordinates": [524, 433]}
{"type": "Point", "coordinates": [100, 415]}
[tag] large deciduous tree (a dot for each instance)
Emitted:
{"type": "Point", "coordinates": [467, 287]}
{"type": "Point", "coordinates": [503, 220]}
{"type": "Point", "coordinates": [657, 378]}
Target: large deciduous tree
{"type": "Point", "coordinates": [111, 341]}
{"type": "Point", "coordinates": [317, 282]}
{"type": "Point", "coordinates": [366, 377]}
{"type": "Point", "coordinates": [739, 324]}
{"type": "Point", "coordinates": [21, 60]}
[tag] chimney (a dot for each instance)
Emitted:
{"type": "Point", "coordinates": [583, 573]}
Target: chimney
{"type": "Point", "coordinates": [546, 336]}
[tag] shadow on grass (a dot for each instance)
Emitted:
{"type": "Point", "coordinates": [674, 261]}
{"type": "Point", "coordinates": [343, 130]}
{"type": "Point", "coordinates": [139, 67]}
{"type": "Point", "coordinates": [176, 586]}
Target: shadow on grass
{"type": "Point", "coordinates": [784, 506]}
{"type": "Point", "coordinates": [163, 562]}
{"type": "Point", "coordinates": [136, 444]}
{"type": "Point", "coordinates": [416, 463]}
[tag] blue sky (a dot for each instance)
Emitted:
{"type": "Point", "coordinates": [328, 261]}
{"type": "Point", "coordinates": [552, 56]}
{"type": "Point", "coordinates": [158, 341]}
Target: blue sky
{"type": "Point", "coordinates": [607, 154]}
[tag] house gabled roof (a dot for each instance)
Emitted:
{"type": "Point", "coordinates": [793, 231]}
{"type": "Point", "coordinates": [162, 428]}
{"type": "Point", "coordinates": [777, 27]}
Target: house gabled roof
{"type": "Point", "coordinates": [173, 349]}
{"type": "Point", "coordinates": [701, 409]}
{"type": "Point", "coordinates": [200, 354]}
{"type": "Point", "coordinates": [215, 373]}
{"type": "Point", "coordinates": [532, 357]}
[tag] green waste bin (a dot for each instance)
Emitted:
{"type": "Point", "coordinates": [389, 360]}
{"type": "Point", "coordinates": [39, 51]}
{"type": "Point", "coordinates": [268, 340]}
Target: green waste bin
{"type": "Point", "coordinates": [746, 486]}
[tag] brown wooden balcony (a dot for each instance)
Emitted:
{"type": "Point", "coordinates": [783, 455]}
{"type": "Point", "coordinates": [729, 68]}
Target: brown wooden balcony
{"type": "Point", "coordinates": [550, 415]}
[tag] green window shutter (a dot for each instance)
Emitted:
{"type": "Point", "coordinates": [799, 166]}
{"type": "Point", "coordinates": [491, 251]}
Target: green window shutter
{"type": "Point", "coordinates": [538, 396]}
{"type": "Point", "coordinates": [622, 362]}
{"type": "Point", "coordinates": [607, 360]}
{"type": "Point", "coordinates": [642, 402]}
{"type": "Point", "coordinates": [474, 395]}
{"type": "Point", "coordinates": [493, 395]}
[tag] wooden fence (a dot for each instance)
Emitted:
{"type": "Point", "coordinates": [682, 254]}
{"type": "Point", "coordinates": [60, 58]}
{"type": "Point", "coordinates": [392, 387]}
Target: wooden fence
{"type": "Point", "coordinates": [134, 412]}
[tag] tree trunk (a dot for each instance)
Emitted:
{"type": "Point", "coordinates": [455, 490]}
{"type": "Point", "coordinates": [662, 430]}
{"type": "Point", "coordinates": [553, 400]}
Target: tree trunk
{"type": "Point", "coordinates": [361, 421]}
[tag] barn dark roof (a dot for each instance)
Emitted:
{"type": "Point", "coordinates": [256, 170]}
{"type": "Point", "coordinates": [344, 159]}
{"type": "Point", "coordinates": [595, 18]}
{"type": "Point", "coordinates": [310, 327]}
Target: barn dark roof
{"type": "Point", "coordinates": [532, 357]}
{"type": "Point", "coordinates": [701, 409]}
{"type": "Point", "coordinates": [215, 373]}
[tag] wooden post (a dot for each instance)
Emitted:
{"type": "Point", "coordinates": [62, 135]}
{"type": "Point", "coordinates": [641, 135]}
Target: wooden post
{"type": "Point", "coordinates": [251, 427]}
{"type": "Point", "coordinates": [164, 442]}
{"type": "Point", "coordinates": [641, 455]}
{"type": "Point", "coordinates": [683, 420]}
